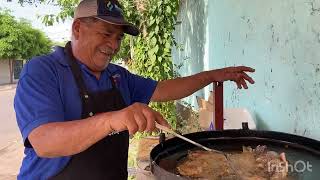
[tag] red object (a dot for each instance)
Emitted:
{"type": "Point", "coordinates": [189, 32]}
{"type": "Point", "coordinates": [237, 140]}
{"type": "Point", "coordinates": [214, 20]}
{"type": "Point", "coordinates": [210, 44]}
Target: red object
{"type": "Point", "coordinates": [218, 101]}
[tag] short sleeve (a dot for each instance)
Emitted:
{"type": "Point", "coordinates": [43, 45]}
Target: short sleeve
{"type": "Point", "coordinates": [141, 89]}
{"type": "Point", "coordinates": [37, 100]}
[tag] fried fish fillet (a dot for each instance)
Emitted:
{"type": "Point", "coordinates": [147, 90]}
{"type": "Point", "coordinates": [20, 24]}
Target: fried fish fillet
{"type": "Point", "coordinates": [204, 164]}
{"type": "Point", "coordinates": [251, 164]}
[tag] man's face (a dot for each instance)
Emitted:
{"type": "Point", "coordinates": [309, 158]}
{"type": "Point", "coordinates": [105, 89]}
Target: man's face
{"type": "Point", "coordinates": [99, 42]}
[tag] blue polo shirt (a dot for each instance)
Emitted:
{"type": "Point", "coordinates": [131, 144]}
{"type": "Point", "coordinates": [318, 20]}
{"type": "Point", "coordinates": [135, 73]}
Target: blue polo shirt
{"type": "Point", "coordinates": [47, 92]}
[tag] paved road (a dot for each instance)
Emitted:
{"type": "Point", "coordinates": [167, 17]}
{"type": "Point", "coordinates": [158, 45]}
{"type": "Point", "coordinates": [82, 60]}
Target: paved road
{"type": "Point", "coordinates": [11, 148]}
{"type": "Point", "coordinates": [8, 130]}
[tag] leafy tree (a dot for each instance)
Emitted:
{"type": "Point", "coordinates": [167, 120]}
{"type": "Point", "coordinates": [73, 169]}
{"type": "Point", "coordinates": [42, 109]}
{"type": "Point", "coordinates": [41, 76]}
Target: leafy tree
{"type": "Point", "coordinates": [18, 40]}
{"type": "Point", "coordinates": [66, 9]}
{"type": "Point", "coordinates": [59, 43]}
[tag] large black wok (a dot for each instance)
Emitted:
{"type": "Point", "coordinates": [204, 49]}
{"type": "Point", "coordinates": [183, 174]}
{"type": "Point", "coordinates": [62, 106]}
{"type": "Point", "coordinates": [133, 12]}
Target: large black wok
{"type": "Point", "coordinates": [302, 153]}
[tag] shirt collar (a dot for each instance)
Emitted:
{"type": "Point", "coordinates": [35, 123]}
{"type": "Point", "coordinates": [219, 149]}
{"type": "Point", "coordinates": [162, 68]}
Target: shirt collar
{"type": "Point", "coordinates": [59, 51]}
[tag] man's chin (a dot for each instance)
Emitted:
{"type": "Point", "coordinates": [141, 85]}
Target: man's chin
{"type": "Point", "coordinates": [98, 67]}
{"type": "Point", "coordinates": [103, 67]}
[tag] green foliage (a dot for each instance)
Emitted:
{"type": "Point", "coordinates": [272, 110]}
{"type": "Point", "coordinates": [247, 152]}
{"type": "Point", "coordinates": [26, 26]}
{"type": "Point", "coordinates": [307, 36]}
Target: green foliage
{"type": "Point", "coordinates": [67, 8]}
{"type": "Point", "coordinates": [59, 43]}
{"type": "Point", "coordinates": [152, 49]}
{"type": "Point", "coordinates": [124, 52]}
{"type": "Point", "coordinates": [18, 40]}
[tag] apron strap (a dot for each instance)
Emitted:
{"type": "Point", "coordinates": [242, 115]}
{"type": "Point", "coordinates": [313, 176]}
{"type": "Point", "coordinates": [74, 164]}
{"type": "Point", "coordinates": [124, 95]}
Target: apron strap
{"type": "Point", "coordinates": [77, 74]}
{"type": "Point", "coordinates": [76, 71]}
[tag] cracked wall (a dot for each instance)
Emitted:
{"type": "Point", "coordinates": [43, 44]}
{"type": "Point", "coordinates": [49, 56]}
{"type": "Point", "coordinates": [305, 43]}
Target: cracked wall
{"type": "Point", "coordinates": [190, 35]}
{"type": "Point", "coordinates": [281, 40]}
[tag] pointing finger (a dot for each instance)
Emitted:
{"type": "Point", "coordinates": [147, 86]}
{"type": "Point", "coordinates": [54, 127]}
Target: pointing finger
{"type": "Point", "coordinates": [161, 120]}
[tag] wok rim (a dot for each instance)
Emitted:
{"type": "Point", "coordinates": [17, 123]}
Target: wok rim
{"type": "Point", "coordinates": [305, 143]}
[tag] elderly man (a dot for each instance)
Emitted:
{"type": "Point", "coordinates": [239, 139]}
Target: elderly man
{"type": "Point", "coordinates": [75, 109]}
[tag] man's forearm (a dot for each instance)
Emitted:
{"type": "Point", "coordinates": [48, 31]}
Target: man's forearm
{"type": "Point", "coordinates": [67, 138]}
{"type": "Point", "coordinates": [180, 87]}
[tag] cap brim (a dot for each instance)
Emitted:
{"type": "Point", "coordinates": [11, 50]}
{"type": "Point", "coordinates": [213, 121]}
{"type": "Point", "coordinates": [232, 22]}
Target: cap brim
{"type": "Point", "coordinates": [128, 27]}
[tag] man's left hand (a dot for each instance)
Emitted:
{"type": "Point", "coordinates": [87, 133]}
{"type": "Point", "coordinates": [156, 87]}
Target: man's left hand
{"type": "Point", "coordinates": [237, 74]}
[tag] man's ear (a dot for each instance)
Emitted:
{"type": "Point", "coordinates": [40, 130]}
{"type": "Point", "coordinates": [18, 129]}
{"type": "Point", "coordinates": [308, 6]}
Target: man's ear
{"type": "Point", "coordinates": [76, 28]}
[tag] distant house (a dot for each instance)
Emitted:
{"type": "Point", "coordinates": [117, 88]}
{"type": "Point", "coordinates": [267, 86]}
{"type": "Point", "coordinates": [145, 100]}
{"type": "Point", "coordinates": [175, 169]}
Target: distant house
{"type": "Point", "coordinates": [10, 70]}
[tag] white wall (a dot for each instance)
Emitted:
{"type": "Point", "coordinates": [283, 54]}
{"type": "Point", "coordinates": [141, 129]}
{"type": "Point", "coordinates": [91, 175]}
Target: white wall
{"type": "Point", "coordinates": [4, 72]}
{"type": "Point", "coordinates": [280, 39]}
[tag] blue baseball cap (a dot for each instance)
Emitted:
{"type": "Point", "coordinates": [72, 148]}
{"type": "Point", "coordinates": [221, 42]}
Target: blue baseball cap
{"type": "Point", "coordinates": [106, 10]}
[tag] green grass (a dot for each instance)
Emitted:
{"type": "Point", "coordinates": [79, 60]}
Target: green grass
{"type": "Point", "coordinates": [131, 178]}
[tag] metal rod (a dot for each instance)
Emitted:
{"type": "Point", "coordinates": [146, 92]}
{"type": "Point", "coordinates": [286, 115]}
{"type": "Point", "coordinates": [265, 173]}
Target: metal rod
{"type": "Point", "coordinates": [165, 129]}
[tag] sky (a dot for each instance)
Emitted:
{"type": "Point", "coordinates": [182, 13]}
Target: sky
{"type": "Point", "coordinates": [58, 32]}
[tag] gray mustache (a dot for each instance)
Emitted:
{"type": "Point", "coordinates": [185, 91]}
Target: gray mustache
{"type": "Point", "coordinates": [108, 51]}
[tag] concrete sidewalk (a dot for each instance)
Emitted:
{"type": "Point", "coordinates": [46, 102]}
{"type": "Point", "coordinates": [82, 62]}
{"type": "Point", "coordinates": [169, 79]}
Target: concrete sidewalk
{"type": "Point", "coordinates": [4, 87]}
{"type": "Point", "coordinates": [10, 158]}
{"type": "Point", "coordinates": [11, 147]}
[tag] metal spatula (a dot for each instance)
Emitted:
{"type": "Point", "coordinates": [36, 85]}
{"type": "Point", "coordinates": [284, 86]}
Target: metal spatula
{"type": "Point", "coordinates": [168, 130]}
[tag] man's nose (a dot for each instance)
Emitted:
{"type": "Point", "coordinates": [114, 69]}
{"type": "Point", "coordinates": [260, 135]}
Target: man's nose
{"type": "Point", "coordinates": [114, 45]}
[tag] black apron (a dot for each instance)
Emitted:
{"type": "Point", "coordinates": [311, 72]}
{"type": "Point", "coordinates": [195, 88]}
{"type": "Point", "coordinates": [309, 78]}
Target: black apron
{"type": "Point", "coordinates": [108, 158]}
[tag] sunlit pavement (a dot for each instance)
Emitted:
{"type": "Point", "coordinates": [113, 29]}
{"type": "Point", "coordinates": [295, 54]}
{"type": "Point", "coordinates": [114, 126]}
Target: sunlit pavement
{"type": "Point", "coordinates": [11, 148]}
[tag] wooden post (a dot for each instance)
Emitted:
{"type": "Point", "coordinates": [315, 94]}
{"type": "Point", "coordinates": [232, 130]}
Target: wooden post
{"type": "Point", "coordinates": [218, 90]}
{"type": "Point", "coordinates": [11, 71]}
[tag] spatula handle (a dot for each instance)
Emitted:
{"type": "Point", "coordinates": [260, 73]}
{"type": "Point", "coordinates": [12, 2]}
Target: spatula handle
{"type": "Point", "coordinates": [168, 130]}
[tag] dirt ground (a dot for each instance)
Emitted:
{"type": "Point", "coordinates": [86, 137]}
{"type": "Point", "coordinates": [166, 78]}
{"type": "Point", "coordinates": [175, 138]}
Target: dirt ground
{"type": "Point", "coordinates": [11, 148]}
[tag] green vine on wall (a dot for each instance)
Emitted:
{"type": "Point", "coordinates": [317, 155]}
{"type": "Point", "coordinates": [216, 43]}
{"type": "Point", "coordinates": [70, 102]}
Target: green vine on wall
{"type": "Point", "coordinates": [152, 48]}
